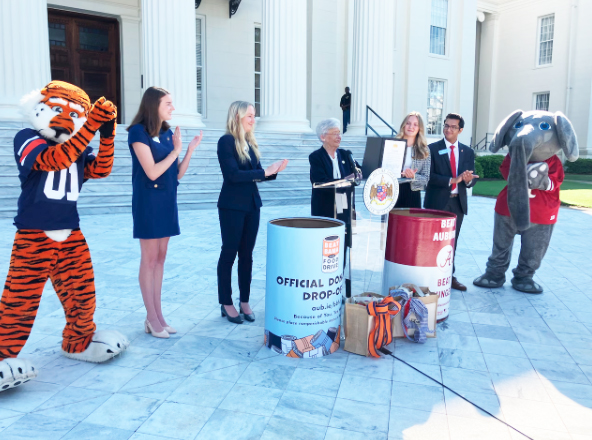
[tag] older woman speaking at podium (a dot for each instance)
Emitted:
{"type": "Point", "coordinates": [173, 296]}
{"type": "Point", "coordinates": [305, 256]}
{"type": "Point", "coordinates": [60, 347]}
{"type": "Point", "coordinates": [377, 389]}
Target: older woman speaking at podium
{"type": "Point", "coordinates": [328, 164]}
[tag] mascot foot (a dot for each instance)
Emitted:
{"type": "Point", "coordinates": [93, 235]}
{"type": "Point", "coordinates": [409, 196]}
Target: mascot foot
{"type": "Point", "coordinates": [105, 345]}
{"type": "Point", "coordinates": [526, 285]}
{"type": "Point", "coordinates": [15, 372]}
{"type": "Point", "coordinates": [486, 280]}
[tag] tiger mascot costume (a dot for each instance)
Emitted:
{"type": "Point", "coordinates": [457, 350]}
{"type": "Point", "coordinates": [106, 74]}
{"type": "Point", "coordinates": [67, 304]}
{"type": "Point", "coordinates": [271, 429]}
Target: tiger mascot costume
{"type": "Point", "coordinates": [53, 161]}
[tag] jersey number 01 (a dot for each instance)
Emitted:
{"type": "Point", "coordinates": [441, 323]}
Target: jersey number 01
{"type": "Point", "coordinates": [58, 194]}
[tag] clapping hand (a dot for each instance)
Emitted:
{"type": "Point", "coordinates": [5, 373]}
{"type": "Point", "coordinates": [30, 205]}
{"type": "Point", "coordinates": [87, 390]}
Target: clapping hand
{"type": "Point", "coordinates": [276, 167]}
{"type": "Point", "coordinates": [409, 173]}
{"type": "Point", "coordinates": [195, 142]}
{"type": "Point", "coordinates": [177, 142]}
{"type": "Point", "coordinates": [468, 176]}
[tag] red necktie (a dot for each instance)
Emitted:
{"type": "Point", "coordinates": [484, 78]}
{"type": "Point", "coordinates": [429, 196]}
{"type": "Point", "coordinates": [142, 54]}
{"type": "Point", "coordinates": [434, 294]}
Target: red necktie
{"type": "Point", "coordinates": [453, 165]}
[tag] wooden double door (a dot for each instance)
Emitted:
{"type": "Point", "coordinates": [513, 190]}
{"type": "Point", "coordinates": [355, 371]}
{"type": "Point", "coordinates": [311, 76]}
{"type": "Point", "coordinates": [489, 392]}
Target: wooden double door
{"type": "Point", "coordinates": [84, 51]}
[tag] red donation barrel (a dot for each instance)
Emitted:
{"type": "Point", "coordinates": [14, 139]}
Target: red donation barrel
{"type": "Point", "coordinates": [420, 250]}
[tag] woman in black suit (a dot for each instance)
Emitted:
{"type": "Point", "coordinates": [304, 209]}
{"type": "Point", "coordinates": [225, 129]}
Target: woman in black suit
{"type": "Point", "coordinates": [327, 164]}
{"type": "Point", "coordinates": [238, 206]}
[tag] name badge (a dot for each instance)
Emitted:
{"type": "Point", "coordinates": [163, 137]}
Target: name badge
{"type": "Point", "coordinates": [155, 139]}
{"type": "Point", "coordinates": [444, 151]}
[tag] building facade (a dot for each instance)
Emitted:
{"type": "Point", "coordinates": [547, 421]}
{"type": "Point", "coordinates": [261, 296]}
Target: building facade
{"type": "Point", "coordinates": [534, 55]}
{"type": "Point", "coordinates": [293, 58]}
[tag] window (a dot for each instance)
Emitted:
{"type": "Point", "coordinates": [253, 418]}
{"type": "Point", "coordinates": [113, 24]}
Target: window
{"type": "Point", "coordinates": [258, 71]}
{"type": "Point", "coordinates": [199, 58]}
{"type": "Point", "coordinates": [435, 107]}
{"type": "Point", "coordinates": [438, 27]}
{"type": "Point", "coordinates": [546, 32]}
{"type": "Point", "coordinates": [541, 101]}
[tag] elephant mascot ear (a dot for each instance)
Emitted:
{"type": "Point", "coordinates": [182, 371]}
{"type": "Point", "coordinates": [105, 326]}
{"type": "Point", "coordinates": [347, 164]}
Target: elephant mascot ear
{"type": "Point", "coordinates": [567, 137]}
{"type": "Point", "coordinates": [497, 143]}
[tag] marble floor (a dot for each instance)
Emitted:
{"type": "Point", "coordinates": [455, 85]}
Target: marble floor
{"type": "Point", "coordinates": [526, 359]}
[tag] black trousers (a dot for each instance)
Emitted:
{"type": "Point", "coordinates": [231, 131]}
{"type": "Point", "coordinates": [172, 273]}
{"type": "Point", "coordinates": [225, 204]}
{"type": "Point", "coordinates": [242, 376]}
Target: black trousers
{"type": "Point", "coordinates": [453, 206]}
{"type": "Point", "coordinates": [346, 114]}
{"type": "Point", "coordinates": [408, 198]}
{"type": "Point", "coordinates": [239, 233]}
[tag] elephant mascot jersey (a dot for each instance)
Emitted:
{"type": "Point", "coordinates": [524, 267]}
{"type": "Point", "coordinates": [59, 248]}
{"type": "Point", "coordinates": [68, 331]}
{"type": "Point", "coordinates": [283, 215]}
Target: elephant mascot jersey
{"type": "Point", "coordinates": [53, 162]}
{"type": "Point", "coordinates": [529, 204]}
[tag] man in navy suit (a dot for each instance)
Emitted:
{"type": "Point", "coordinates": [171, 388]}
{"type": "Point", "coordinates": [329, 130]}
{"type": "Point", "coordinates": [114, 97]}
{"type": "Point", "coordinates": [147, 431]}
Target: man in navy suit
{"type": "Point", "coordinates": [451, 173]}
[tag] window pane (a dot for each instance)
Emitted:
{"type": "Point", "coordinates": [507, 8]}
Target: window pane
{"type": "Point", "coordinates": [542, 101]}
{"type": "Point", "coordinates": [546, 40]}
{"type": "Point", "coordinates": [57, 34]}
{"type": "Point", "coordinates": [439, 13]}
{"type": "Point", "coordinates": [437, 40]}
{"type": "Point", "coordinates": [257, 109]}
{"type": "Point", "coordinates": [257, 80]}
{"type": "Point", "coordinates": [435, 107]}
{"type": "Point", "coordinates": [257, 64]}
{"type": "Point", "coordinates": [199, 63]}
{"type": "Point", "coordinates": [257, 49]}
{"type": "Point", "coordinates": [94, 39]}
{"type": "Point", "coordinates": [257, 95]}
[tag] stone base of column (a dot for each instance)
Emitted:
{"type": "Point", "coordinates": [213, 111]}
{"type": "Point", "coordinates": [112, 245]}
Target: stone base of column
{"type": "Point", "coordinates": [187, 120]}
{"type": "Point", "coordinates": [283, 125]}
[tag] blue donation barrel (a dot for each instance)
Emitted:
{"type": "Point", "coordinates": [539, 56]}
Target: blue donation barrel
{"type": "Point", "coordinates": [304, 286]}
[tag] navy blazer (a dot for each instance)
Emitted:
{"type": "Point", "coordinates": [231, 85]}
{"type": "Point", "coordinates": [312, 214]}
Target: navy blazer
{"type": "Point", "coordinates": [438, 189]}
{"type": "Point", "coordinates": [239, 190]}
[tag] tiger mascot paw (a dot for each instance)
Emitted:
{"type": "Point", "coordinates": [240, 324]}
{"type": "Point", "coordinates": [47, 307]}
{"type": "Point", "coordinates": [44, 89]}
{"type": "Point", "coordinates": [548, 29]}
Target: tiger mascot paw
{"type": "Point", "coordinates": [105, 344]}
{"type": "Point", "coordinates": [15, 372]}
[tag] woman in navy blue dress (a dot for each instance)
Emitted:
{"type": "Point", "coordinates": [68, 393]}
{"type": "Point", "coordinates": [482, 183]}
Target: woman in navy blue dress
{"type": "Point", "coordinates": [155, 175]}
{"type": "Point", "coordinates": [238, 206]}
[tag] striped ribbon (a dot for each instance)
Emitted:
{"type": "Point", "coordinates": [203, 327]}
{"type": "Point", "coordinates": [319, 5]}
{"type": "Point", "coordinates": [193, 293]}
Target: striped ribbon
{"type": "Point", "coordinates": [382, 333]}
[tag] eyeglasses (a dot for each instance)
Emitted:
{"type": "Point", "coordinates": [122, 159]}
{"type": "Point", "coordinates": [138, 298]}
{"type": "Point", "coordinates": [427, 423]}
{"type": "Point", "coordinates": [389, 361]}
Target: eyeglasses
{"type": "Point", "coordinates": [333, 134]}
{"type": "Point", "coordinates": [451, 127]}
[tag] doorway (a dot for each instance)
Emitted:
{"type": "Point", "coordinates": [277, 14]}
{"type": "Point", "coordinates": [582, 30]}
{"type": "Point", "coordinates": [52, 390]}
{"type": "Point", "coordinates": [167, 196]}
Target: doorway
{"type": "Point", "coordinates": [84, 51]}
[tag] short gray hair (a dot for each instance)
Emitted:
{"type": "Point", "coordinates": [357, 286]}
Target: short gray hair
{"type": "Point", "coordinates": [327, 124]}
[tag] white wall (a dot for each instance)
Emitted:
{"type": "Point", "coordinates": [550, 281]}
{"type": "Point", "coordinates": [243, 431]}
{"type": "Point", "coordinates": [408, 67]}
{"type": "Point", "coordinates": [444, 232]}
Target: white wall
{"type": "Point", "coordinates": [414, 65]}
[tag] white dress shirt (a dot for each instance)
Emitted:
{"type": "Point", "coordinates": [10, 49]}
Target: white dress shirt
{"type": "Point", "coordinates": [408, 159]}
{"type": "Point", "coordinates": [456, 155]}
{"type": "Point", "coordinates": [335, 162]}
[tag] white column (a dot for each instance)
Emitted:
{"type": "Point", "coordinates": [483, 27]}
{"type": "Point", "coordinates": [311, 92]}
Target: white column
{"type": "Point", "coordinates": [24, 53]}
{"type": "Point", "coordinates": [168, 37]}
{"type": "Point", "coordinates": [284, 58]}
{"type": "Point", "coordinates": [372, 70]}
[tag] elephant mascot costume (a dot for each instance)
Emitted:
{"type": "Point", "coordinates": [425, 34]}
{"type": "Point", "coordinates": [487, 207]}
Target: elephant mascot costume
{"type": "Point", "coordinates": [529, 203]}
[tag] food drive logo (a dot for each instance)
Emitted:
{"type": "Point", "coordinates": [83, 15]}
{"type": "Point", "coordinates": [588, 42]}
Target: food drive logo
{"type": "Point", "coordinates": [330, 254]}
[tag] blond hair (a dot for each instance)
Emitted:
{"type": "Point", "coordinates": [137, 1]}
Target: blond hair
{"type": "Point", "coordinates": [236, 113]}
{"type": "Point", "coordinates": [420, 147]}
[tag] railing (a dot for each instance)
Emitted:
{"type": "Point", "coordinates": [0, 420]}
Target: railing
{"type": "Point", "coordinates": [483, 144]}
{"type": "Point", "coordinates": [368, 126]}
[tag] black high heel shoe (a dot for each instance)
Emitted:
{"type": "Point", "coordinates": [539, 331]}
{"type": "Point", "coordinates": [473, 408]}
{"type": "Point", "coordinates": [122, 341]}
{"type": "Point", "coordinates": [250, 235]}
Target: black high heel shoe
{"type": "Point", "coordinates": [250, 318]}
{"type": "Point", "coordinates": [235, 320]}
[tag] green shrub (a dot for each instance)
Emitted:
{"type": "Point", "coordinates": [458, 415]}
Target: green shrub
{"type": "Point", "coordinates": [490, 165]}
{"type": "Point", "coordinates": [479, 169]}
{"type": "Point", "coordinates": [580, 166]}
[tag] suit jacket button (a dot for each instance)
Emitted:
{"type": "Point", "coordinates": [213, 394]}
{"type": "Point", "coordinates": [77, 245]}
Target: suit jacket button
{"type": "Point", "coordinates": [156, 185]}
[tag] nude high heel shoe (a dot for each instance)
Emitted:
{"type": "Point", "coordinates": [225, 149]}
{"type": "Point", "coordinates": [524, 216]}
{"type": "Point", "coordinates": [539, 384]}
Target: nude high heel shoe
{"type": "Point", "coordinates": [148, 328]}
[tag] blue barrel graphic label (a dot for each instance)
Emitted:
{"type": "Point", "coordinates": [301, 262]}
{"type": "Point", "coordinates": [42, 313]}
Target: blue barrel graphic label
{"type": "Point", "coordinates": [330, 254]}
{"type": "Point", "coordinates": [304, 286]}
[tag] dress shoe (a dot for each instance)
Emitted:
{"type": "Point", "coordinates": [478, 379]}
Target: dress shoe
{"type": "Point", "coordinates": [170, 330]}
{"type": "Point", "coordinates": [248, 317]}
{"type": "Point", "coordinates": [235, 320]}
{"type": "Point", "coordinates": [148, 329]}
{"type": "Point", "coordinates": [458, 285]}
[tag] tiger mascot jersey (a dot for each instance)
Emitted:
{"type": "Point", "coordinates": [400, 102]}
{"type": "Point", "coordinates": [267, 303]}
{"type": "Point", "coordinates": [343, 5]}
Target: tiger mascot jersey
{"type": "Point", "coordinates": [54, 160]}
